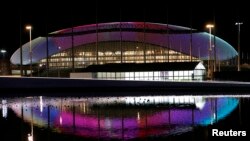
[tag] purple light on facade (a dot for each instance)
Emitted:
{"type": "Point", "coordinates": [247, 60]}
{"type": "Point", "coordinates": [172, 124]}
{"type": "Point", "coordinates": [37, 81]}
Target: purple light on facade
{"type": "Point", "coordinates": [108, 32]}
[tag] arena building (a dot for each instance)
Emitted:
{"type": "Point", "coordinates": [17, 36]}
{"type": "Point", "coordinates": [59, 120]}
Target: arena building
{"type": "Point", "coordinates": [150, 51]}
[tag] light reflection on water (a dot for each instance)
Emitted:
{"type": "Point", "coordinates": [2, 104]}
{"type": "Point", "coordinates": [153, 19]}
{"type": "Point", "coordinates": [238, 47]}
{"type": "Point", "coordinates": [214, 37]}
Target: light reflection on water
{"type": "Point", "coordinates": [121, 117]}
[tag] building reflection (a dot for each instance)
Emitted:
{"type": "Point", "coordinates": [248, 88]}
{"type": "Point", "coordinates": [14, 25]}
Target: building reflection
{"type": "Point", "coordinates": [125, 117]}
{"type": "Point", "coordinates": [4, 108]}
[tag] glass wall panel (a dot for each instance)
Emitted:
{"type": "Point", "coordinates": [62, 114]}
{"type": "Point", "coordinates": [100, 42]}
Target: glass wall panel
{"type": "Point", "coordinates": [109, 52]}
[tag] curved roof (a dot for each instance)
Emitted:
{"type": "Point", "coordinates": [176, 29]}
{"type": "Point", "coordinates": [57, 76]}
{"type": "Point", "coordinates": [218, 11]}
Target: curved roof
{"type": "Point", "coordinates": [125, 26]}
{"type": "Point", "coordinates": [176, 37]}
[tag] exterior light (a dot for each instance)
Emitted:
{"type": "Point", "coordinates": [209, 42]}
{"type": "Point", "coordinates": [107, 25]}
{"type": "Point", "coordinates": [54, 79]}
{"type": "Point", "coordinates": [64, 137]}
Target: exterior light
{"type": "Point", "coordinates": [238, 24]}
{"type": "Point", "coordinates": [209, 26]}
{"type": "Point", "coordinates": [28, 27]}
{"type": "Point", "coordinates": [3, 51]}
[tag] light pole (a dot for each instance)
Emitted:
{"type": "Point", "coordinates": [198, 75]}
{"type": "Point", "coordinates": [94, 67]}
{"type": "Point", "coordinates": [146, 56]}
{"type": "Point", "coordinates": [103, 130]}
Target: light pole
{"type": "Point", "coordinates": [238, 24]}
{"type": "Point", "coordinates": [209, 26]}
{"type": "Point", "coordinates": [3, 51]}
{"type": "Point", "coordinates": [28, 27]}
{"type": "Point", "coordinates": [58, 66]}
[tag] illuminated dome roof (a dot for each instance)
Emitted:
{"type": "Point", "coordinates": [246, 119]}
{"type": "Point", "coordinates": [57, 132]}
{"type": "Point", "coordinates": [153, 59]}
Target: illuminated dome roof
{"type": "Point", "coordinates": [176, 37]}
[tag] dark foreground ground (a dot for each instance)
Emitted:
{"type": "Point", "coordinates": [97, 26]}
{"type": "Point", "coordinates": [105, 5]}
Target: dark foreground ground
{"type": "Point", "coordinates": [56, 86]}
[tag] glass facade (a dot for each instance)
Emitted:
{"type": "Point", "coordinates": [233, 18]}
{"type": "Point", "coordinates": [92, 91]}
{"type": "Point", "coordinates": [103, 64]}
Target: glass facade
{"type": "Point", "coordinates": [115, 52]}
{"type": "Point", "coordinates": [197, 74]}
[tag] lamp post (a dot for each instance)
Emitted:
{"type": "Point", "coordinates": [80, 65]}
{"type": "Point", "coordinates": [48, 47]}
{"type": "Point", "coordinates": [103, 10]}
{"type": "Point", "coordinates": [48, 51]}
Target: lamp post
{"type": "Point", "coordinates": [238, 24]}
{"type": "Point", "coordinates": [28, 27]}
{"type": "Point", "coordinates": [209, 26]}
{"type": "Point", "coordinates": [58, 66]}
{"type": "Point", "coordinates": [3, 51]}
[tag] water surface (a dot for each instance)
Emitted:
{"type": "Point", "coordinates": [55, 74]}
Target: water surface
{"type": "Point", "coordinates": [119, 118]}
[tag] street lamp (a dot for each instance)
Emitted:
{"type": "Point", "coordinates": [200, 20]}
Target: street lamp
{"type": "Point", "coordinates": [58, 66]}
{"type": "Point", "coordinates": [3, 51]}
{"type": "Point", "coordinates": [209, 26]}
{"type": "Point", "coordinates": [28, 27]}
{"type": "Point", "coordinates": [238, 24]}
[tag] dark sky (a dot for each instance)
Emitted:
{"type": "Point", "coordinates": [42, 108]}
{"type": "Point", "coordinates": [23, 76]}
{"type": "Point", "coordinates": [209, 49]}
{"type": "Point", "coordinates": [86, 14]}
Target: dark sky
{"type": "Point", "coordinates": [51, 16]}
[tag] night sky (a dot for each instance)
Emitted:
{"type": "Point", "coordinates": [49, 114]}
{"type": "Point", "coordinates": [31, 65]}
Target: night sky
{"type": "Point", "coordinates": [48, 17]}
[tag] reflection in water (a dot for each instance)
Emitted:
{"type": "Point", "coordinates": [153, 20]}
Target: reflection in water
{"type": "Point", "coordinates": [4, 108]}
{"type": "Point", "coordinates": [41, 104]}
{"type": "Point", "coordinates": [122, 117]}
